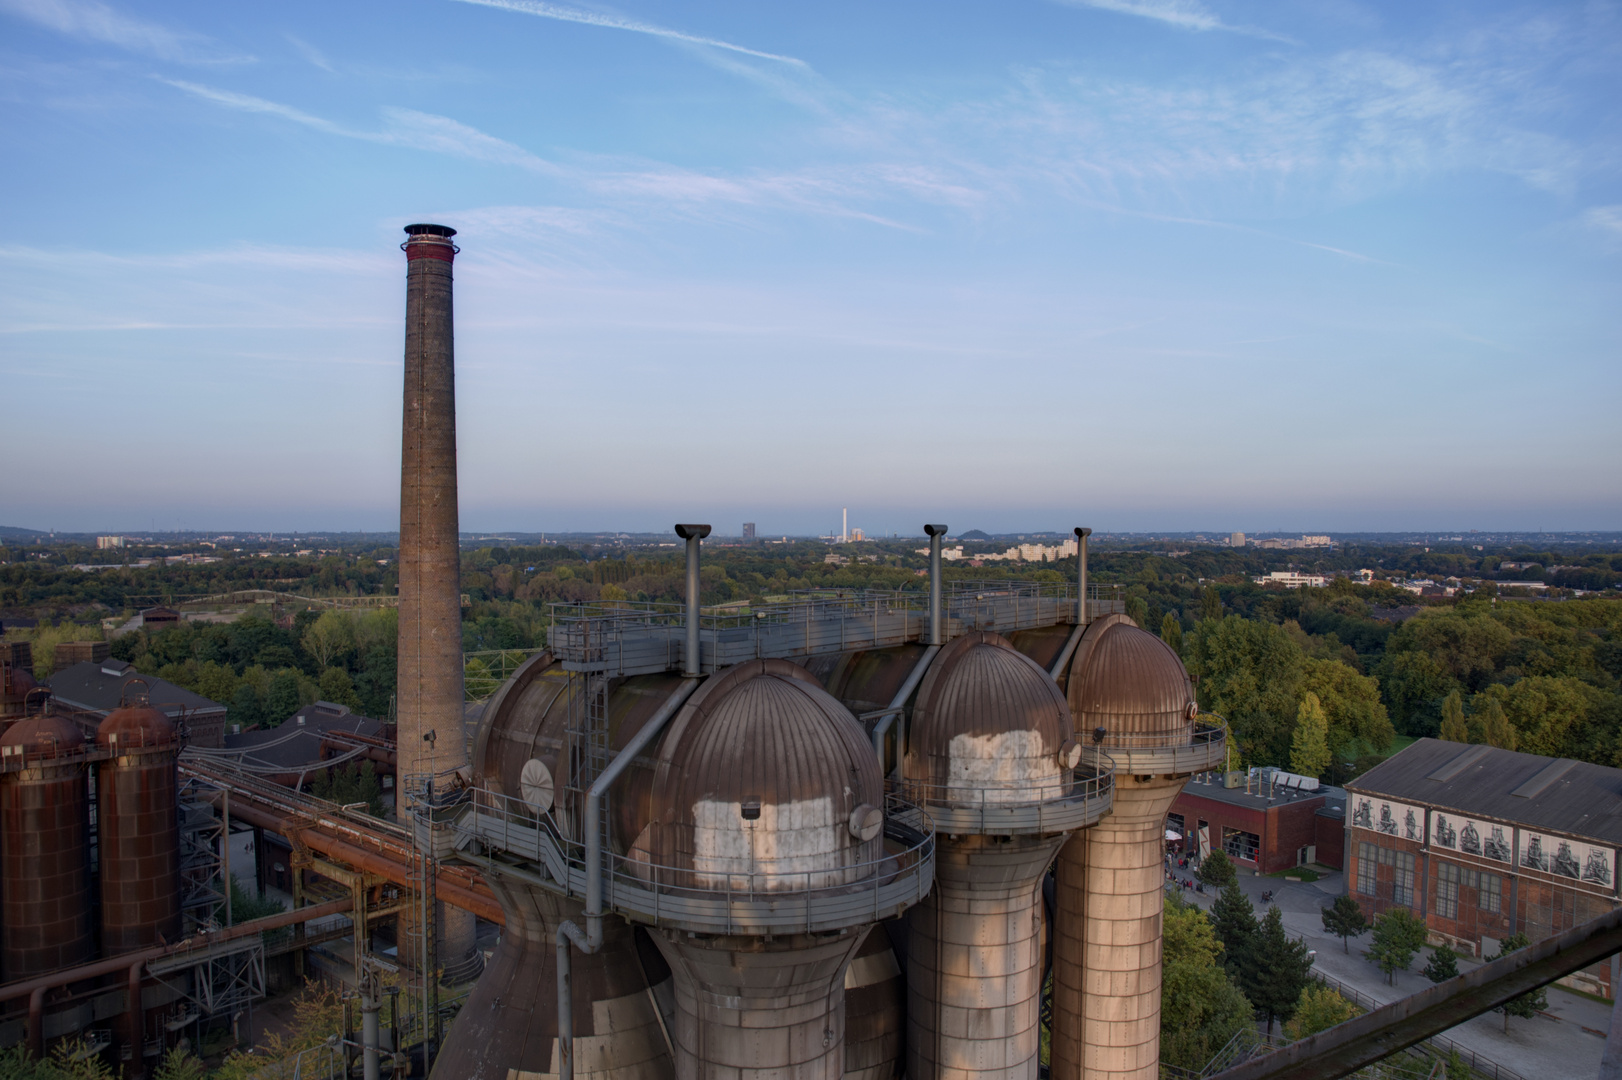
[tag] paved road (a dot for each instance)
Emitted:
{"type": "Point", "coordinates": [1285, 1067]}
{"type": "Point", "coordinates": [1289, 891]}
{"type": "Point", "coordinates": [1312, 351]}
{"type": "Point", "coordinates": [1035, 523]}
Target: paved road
{"type": "Point", "coordinates": [1567, 1043]}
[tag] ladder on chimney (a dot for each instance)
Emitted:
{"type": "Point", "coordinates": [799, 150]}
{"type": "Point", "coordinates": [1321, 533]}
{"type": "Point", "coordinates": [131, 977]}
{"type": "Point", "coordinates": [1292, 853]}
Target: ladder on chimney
{"type": "Point", "coordinates": [589, 752]}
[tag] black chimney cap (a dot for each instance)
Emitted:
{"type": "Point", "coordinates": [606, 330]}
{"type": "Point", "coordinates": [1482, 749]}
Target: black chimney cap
{"type": "Point", "coordinates": [430, 230]}
{"type": "Point", "coordinates": [687, 532]}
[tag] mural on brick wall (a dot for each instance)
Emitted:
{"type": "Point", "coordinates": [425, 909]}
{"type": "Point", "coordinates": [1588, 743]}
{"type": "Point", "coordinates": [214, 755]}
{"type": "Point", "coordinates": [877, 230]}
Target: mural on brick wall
{"type": "Point", "coordinates": [1568, 858]}
{"type": "Point", "coordinates": [1468, 836]}
{"type": "Point", "coordinates": [1388, 817]}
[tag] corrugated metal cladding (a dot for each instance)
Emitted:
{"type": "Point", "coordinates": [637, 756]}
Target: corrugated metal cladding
{"type": "Point", "coordinates": [45, 911]}
{"type": "Point", "coordinates": [759, 775]}
{"type": "Point", "coordinates": [979, 699]}
{"type": "Point", "coordinates": [138, 830]}
{"type": "Point", "coordinates": [1129, 682]}
{"type": "Point", "coordinates": [875, 1010]}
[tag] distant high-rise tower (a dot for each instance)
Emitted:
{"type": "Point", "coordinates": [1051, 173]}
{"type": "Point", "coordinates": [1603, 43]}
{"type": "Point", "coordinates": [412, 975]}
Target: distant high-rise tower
{"type": "Point", "coordinates": [1236, 540]}
{"type": "Point", "coordinates": [844, 526]}
{"type": "Point", "coordinates": [749, 530]}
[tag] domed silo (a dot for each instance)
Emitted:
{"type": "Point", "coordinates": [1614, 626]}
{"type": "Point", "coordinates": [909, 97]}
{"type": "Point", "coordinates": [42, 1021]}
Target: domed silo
{"type": "Point", "coordinates": [509, 1025]}
{"type": "Point", "coordinates": [1131, 695]}
{"type": "Point", "coordinates": [992, 756]}
{"type": "Point", "coordinates": [767, 790]}
{"type": "Point", "coordinates": [138, 829]}
{"type": "Point", "coordinates": [45, 905]}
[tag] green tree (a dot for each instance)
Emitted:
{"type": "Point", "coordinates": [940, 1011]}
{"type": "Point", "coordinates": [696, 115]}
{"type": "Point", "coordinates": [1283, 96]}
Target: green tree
{"type": "Point", "coordinates": [1210, 604]}
{"type": "Point", "coordinates": [1234, 921]}
{"type": "Point", "coordinates": [1352, 703]}
{"type": "Point", "coordinates": [1201, 1008]}
{"type": "Point", "coordinates": [282, 696]}
{"type": "Point", "coordinates": [1398, 935]}
{"type": "Point", "coordinates": [1530, 1003]}
{"type": "Point", "coordinates": [1453, 727]}
{"type": "Point", "coordinates": [1250, 672]}
{"type": "Point", "coordinates": [1309, 750]}
{"type": "Point", "coordinates": [1217, 870]}
{"type": "Point", "coordinates": [1137, 609]}
{"type": "Point", "coordinates": [180, 1064]}
{"type": "Point", "coordinates": [1444, 964]}
{"type": "Point", "coordinates": [1319, 1009]}
{"type": "Point", "coordinates": [331, 635]}
{"type": "Point", "coordinates": [1273, 969]}
{"type": "Point", "coordinates": [1171, 632]}
{"type": "Point", "coordinates": [246, 708]}
{"type": "Point", "coordinates": [1345, 919]}
{"type": "Point", "coordinates": [338, 688]}
{"type": "Point", "coordinates": [1496, 730]}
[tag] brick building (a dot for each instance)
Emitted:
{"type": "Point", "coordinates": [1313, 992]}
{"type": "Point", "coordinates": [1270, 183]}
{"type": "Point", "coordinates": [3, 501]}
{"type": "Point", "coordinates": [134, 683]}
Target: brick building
{"type": "Point", "coordinates": [1483, 843]}
{"type": "Point", "coordinates": [1261, 825]}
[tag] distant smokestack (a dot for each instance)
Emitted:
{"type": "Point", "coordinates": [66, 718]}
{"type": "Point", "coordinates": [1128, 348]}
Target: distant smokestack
{"type": "Point", "coordinates": [429, 686]}
{"type": "Point", "coordinates": [844, 526]}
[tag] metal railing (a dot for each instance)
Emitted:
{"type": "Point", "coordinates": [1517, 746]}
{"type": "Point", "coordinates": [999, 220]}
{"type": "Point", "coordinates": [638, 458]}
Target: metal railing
{"type": "Point", "coordinates": [1173, 751]}
{"type": "Point", "coordinates": [759, 898]}
{"type": "Point", "coordinates": [1073, 800]}
{"type": "Point", "coordinates": [1482, 1066]}
{"type": "Point", "coordinates": [484, 671]}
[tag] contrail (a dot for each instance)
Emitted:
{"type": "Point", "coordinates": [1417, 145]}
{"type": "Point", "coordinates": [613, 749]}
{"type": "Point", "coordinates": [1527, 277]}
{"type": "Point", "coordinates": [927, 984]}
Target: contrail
{"type": "Point", "coordinates": [591, 18]}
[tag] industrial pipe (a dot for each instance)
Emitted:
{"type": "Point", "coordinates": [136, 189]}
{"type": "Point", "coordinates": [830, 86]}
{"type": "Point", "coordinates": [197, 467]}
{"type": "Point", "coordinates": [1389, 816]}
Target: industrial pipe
{"type": "Point", "coordinates": [369, 1032]}
{"type": "Point", "coordinates": [136, 1016]}
{"type": "Point", "coordinates": [591, 939]}
{"type": "Point", "coordinates": [897, 706]}
{"type": "Point", "coordinates": [936, 635]}
{"type": "Point", "coordinates": [692, 534]}
{"type": "Point", "coordinates": [1068, 651]}
{"type": "Point", "coordinates": [27, 988]}
{"type": "Point", "coordinates": [1081, 575]}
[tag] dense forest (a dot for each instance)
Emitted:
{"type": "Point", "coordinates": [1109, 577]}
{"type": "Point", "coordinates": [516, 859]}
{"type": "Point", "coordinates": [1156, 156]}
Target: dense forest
{"type": "Point", "coordinates": [1324, 680]}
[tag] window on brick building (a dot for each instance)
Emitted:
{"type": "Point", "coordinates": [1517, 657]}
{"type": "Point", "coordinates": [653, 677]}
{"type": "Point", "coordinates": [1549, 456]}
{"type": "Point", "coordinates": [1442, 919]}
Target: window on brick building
{"type": "Point", "coordinates": [1366, 862]}
{"type": "Point", "coordinates": [1402, 888]}
{"type": "Point", "coordinates": [1489, 893]}
{"type": "Point", "coordinates": [1241, 845]}
{"type": "Point", "coordinates": [1447, 890]}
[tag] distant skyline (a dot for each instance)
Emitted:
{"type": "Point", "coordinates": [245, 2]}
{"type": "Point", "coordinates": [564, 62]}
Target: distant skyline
{"type": "Point", "coordinates": [1327, 266]}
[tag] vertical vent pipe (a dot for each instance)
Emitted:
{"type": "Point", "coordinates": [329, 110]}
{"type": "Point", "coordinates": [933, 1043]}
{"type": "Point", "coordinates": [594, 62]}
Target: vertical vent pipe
{"type": "Point", "coordinates": [935, 533]}
{"type": "Point", "coordinates": [692, 534]}
{"type": "Point", "coordinates": [1081, 574]}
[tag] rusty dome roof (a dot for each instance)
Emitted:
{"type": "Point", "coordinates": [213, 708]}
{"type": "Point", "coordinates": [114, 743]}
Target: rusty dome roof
{"type": "Point", "coordinates": [43, 735]}
{"type": "Point", "coordinates": [763, 773]}
{"type": "Point", "coordinates": [1128, 681]}
{"type": "Point", "coordinates": [982, 692]}
{"type": "Point", "coordinates": [134, 725]}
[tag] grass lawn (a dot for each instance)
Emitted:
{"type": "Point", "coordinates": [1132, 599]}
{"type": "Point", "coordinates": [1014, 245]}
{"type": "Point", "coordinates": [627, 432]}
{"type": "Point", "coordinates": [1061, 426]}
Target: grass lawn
{"type": "Point", "coordinates": [1402, 742]}
{"type": "Point", "coordinates": [1297, 872]}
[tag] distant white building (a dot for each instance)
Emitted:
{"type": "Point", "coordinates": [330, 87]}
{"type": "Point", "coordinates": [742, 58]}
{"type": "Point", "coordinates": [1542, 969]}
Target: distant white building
{"type": "Point", "coordinates": [1292, 580]}
{"type": "Point", "coordinates": [1236, 540]}
{"type": "Point", "coordinates": [105, 542]}
{"type": "Point", "coordinates": [1017, 553]}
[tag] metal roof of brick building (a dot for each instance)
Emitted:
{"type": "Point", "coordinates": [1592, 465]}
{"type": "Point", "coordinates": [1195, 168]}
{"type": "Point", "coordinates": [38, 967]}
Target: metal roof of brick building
{"type": "Point", "coordinates": [1553, 794]}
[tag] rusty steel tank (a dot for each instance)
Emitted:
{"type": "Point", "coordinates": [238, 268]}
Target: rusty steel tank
{"type": "Point", "coordinates": [875, 1008]}
{"type": "Point", "coordinates": [45, 903]}
{"type": "Point", "coordinates": [138, 831]}
{"type": "Point", "coordinates": [1131, 695]}
{"type": "Point", "coordinates": [992, 754]}
{"type": "Point", "coordinates": [622, 1000]}
{"type": "Point", "coordinates": [764, 785]}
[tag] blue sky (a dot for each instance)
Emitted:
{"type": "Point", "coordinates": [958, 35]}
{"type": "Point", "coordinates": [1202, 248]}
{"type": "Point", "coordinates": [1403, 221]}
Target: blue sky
{"type": "Point", "coordinates": [1141, 264]}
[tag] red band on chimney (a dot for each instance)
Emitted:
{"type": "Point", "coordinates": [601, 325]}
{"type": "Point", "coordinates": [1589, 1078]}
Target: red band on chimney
{"type": "Point", "coordinates": [429, 249]}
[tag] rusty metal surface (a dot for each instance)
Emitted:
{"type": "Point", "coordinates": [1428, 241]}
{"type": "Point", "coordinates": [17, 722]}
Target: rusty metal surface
{"type": "Point", "coordinates": [138, 830]}
{"type": "Point", "coordinates": [1132, 684]}
{"type": "Point", "coordinates": [1365, 1039]}
{"type": "Point", "coordinates": [45, 902]}
{"type": "Point", "coordinates": [429, 688]}
{"type": "Point", "coordinates": [984, 705]}
{"type": "Point", "coordinates": [866, 679]}
{"type": "Point", "coordinates": [510, 1021]}
{"type": "Point", "coordinates": [763, 731]}
{"type": "Point", "coordinates": [1043, 645]}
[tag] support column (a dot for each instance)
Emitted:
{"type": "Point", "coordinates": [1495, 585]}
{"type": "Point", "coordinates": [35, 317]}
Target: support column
{"type": "Point", "coordinates": [1107, 948]}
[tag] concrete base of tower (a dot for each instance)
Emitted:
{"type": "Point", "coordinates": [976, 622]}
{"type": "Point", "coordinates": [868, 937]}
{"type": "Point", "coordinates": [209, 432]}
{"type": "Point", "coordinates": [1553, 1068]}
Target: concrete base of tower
{"type": "Point", "coordinates": [756, 1008]}
{"type": "Point", "coordinates": [974, 961]}
{"type": "Point", "coordinates": [508, 1029]}
{"type": "Point", "coordinates": [1107, 939]}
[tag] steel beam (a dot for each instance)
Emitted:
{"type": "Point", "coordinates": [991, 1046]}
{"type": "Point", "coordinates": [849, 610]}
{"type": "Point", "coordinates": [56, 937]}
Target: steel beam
{"type": "Point", "coordinates": [1363, 1040]}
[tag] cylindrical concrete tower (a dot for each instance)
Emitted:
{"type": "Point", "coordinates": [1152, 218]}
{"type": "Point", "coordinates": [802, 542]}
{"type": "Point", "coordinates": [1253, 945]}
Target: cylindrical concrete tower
{"type": "Point", "coordinates": [1131, 695]}
{"type": "Point", "coordinates": [992, 757]}
{"type": "Point", "coordinates": [509, 1026]}
{"type": "Point", "coordinates": [875, 1009]}
{"type": "Point", "coordinates": [45, 911]}
{"type": "Point", "coordinates": [765, 787]}
{"type": "Point", "coordinates": [428, 695]}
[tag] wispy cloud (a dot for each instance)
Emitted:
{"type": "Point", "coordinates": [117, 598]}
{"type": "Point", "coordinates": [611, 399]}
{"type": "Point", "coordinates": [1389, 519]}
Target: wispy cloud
{"type": "Point", "coordinates": [1183, 14]}
{"type": "Point", "coordinates": [90, 20]}
{"type": "Point", "coordinates": [402, 127]}
{"type": "Point", "coordinates": [615, 22]}
{"type": "Point", "coordinates": [1606, 221]}
{"type": "Point", "coordinates": [310, 53]}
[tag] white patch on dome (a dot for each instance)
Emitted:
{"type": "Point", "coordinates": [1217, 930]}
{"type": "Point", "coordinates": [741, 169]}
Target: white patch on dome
{"type": "Point", "coordinates": [1009, 767]}
{"type": "Point", "coordinates": [791, 846]}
